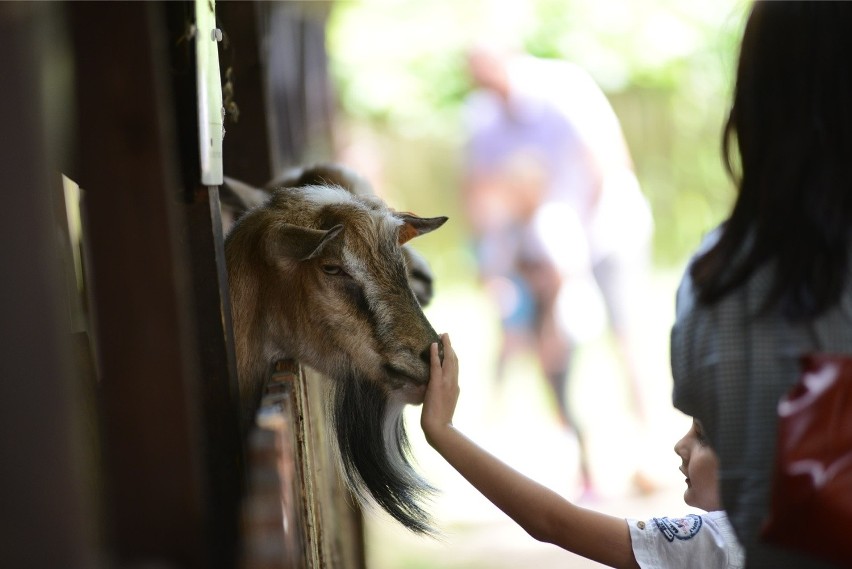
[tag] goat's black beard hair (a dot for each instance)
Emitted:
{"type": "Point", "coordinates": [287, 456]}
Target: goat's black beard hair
{"type": "Point", "coordinates": [375, 451]}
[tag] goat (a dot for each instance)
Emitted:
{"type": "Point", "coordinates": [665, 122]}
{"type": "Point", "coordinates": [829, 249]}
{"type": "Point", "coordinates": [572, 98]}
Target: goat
{"type": "Point", "coordinates": [238, 197]}
{"type": "Point", "coordinates": [318, 273]}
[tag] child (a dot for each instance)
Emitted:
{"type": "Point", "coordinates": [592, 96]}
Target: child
{"type": "Point", "coordinates": [702, 541]}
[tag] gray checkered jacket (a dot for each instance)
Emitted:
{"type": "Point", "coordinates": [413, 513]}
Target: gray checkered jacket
{"type": "Point", "coordinates": [730, 369]}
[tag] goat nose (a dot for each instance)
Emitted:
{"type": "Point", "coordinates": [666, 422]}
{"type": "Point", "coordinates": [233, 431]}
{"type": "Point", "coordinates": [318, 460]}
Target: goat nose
{"type": "Point", "coordinates": [426, 355]}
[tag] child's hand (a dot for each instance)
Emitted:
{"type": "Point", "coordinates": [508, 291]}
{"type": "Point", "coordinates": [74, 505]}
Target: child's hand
{"type": "Point", "coordinates": [442, 392]}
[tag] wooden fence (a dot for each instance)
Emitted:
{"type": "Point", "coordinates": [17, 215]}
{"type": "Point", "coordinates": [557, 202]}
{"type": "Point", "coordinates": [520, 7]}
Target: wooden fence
{"type": "Point", "coordinates": [297, 509]}
{"type": "Point", "coordinates": [119, 395]}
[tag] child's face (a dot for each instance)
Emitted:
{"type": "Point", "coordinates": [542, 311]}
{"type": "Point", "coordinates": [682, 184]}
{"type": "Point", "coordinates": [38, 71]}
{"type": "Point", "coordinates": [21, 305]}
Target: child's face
{"type": "Point", "coordinates": [701, 468]}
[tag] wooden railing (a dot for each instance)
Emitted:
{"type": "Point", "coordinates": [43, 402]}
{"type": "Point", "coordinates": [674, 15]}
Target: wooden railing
{"type": "Point", "coordinates": [297, 513]}
{"type": "Point", "coordinates": [121, 435]}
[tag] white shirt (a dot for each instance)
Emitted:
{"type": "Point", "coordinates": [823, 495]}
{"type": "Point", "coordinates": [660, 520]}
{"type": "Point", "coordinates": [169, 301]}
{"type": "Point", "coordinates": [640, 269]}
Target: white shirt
{"type": "Point", "coordinates": [701, 541]}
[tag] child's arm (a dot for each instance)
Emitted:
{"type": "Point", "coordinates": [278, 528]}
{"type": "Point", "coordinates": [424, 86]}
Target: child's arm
{"type": "Point", "coordinates": [544, 514]}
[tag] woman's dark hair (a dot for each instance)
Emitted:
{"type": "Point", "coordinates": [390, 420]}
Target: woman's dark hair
{"type": "Point", "coordinates": [791, 121]}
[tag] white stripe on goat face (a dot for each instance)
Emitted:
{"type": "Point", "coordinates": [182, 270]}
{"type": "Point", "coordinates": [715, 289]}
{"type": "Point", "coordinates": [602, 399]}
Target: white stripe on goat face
{"type": "Point", "coordinates": [326, 195]}
{"type": "Point", "coordinates": [377, 254]}
{"type": "Point", "coordinates": [381, 241]}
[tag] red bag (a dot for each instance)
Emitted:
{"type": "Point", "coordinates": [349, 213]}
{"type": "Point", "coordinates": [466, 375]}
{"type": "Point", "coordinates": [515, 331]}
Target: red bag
{"type": "Point", "coordinates": [811, 503]}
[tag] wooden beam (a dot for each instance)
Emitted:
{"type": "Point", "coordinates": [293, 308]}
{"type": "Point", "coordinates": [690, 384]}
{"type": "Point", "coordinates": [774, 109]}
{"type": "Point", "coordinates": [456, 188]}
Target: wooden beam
{"type": "Point", "coordinates": [216, 359]}
{"type": "Point", "coordinates": [149, 378]}
{"type": "Point", "coordinates": [246, 144]}
{"type": "Point", "coordinates": [49, 519]}
{"type": "Point", "coordinates": [223, 444]}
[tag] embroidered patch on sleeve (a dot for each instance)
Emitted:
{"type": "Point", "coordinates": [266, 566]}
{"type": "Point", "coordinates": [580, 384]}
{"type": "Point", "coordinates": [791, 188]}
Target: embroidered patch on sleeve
{"type": "Point", "coordinates": [679, 528]}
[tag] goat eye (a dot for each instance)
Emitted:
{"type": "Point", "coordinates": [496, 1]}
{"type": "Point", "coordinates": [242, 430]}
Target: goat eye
{"type": "Point", "coordinates": [332, 270]}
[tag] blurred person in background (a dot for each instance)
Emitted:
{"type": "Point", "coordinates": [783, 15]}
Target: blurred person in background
{"type": "Point", "coordinates": [772, 282]}
{"type": "Point", "coordinates": [558, 219]}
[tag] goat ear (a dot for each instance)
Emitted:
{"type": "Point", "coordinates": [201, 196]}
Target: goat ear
{"type": "Point", "coordinates": [302, 243]}
{"type": "Point", "coordinates": [413, 226]}
{"type": "Point", "coordinates": [240, 196]}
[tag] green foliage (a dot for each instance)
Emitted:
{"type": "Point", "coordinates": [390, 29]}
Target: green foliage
{"type": "Point", "coordinates": [667, 66]}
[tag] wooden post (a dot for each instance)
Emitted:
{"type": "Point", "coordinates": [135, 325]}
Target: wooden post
{"type": "Point", "coordinates": [316, 523]}
{"type": "Point", "coordinates": [246, 145]}
{"type": "Point", "coordinates": [216, 359]}
{"type": "Point", "coordinates": [155, 499]}
{"type": "Point", "coordinates": [49, 518]}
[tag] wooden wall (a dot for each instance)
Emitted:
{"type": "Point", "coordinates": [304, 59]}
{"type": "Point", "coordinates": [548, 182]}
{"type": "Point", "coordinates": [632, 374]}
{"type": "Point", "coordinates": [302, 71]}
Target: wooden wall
{"type": "Point", "coordinates": [118, 396]}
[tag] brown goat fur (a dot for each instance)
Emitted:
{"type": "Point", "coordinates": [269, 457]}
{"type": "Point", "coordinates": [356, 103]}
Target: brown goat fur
{"type": "Point", "coordinates": [318, 273]}
{"type": "Point", "coordinates": [238, 197]}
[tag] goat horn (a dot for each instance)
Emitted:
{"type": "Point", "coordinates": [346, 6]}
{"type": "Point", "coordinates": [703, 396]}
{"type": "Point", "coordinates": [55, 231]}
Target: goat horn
{"type": "Point", "coordinates": [414, 226]}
